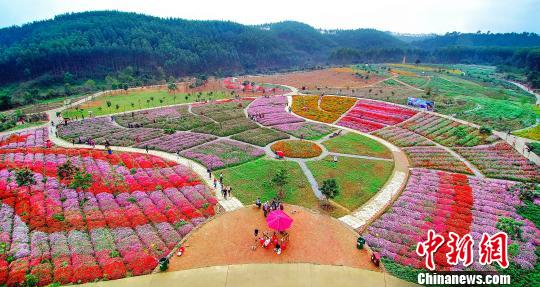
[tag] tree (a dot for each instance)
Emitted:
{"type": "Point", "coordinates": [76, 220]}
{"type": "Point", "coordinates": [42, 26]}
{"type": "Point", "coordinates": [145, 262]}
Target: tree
{"type": "Point", "coordinates": [109, 104]}
{"type": "Point", "coordinates": [330, 188]}
{"type": "Point", "coordinates": [172, 87]}
{"type": "Point", "coordinates": [24, 177]}
{"type": "Point", "coordinates": [280, 179]}
{"type": "Point", "coordinates": [81, 181]}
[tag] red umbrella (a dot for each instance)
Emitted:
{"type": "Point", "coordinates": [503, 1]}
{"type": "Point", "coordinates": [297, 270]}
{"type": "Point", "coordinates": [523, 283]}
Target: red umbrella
{"type": "Point", "coordinates": [278, 220]}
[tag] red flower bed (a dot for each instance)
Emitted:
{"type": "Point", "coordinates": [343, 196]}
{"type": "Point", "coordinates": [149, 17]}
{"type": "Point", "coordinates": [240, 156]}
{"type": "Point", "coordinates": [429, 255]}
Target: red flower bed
{"type": "Point", "coordinates": [368, 116]}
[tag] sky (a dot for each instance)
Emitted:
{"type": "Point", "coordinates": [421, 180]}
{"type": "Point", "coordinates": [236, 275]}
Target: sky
{"type": "Point", "coordinates": [402, 16]}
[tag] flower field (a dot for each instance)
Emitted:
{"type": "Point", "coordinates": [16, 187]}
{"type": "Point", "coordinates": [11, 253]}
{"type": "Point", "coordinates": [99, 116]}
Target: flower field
{"type": "Point", "coordinates": [297, 148]}
{"type": "Point", "coordinates": [176, 142]}
{"type": "Point", "coordinates": [270, 111]}
{"type": "Point", "coordinates": [446, 131]}
{"type": "Point", "coordinates": [260, 136]}
{"type": "Point", "coordinates": [135, 211]}
{"type": "Point", "coordinates": [368, 116]}
{"type": "Point", "coordinates": [310, 131]}
{"type": "Point", "coordinates": [449, 202]}
{"type": "Point", "coordinates": [28, 138]}
{"type": "Point", "coordinates": [228, 118]}
{"type": "Point", "coordinates": [330, 109]}
{"type": "Point", "coordinates": [402, 137]}
{"type": "Point", "coordinates": [223, 153]}
{"type": "Point", "coordinates": [500, 160]}
{"type": "Point", "coordinates": [435, 158]}
{"type": "Point", "coordinates": [175, 118]}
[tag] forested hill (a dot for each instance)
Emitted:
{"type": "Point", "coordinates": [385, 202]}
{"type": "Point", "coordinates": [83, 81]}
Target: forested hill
{"type": "Point", "coordinates": [96, 43]}
{"type": "Point", "coordinates": [480, 40]}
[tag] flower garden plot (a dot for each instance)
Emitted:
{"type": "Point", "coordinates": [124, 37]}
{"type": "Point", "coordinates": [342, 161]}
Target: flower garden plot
{"type": "Point", "coordinates": [449, 202]}
{"type": "Point", "coordinates": [358, 179]}
{"type": "Point", "coordinates": [223, 153]}
{"type": "Point", "coordinates": [402, 137]}
{"type": "Point", "coordinates": [358, 124]}
{"type": "Point", "coordinates": [29, 138]}
{"type": "Point", "coordinates": [307, 130]}
{"type": "Point", "coordinates": [224, 111]}
{"type": "Point", "coordinates": [500, 160]}
{"type": "Point", "coordinates": [379, 112]}
{"type": "Point", "coordinates": [101, 130]}
{"type": "Point", "coordinates": [332, 107]}
{"type": "Point", "coordinates": [136, 210]}
{"type": "Point", "coordinates": [174, 118]}
{"type": "Point", "coordinates": [435, 158]}
{"type": "Point", "coordinates": [176, 142]}
{"type": "Point", "coordinates": [270, 111]}
{"type": "Point", "coordinates": [227, 128]}
{"type": "Point", "coordinates": [260, 136]}
{"type": "Point", "coordinates": [297, 148]}
{"type": "Point", "coordinates": [446, 131]}
{"type": "Point", "coordinates": [353, 143]}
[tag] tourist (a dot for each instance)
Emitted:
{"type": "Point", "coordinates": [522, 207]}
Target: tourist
{"type": "Point", "coordinates": [215, 182]}
{"type": "Point", "coordinates": [209, 172]}
{"type": "Point", "coordinates": [146, 148]}
{"type": "Point", "coordinates": [278, 249]}
{"type": "Point", "coordinates": [281, 206]}
{"type": "Point", "coordinates": [258, 203]}
{"type": "Point", "coordinates": [229, 190]}
{"type": "Point", "coordinates": [221, 178]}
{"type": "Point", "coordinates": [265, 208]}
{"type": "Point", "coordinates": [73, 141]}
{"type": "Point", "coordinates": [224, 192]}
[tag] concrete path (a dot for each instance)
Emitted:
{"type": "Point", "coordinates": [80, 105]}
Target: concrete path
{"type": "Point", "coordinates": [359, 156]}
{"type": "Point", "coordinates": [311, 179]}
{"type": "Point", "coordinates": [526, 89]}
{"type": "Point", "coordinates": [271, 275]}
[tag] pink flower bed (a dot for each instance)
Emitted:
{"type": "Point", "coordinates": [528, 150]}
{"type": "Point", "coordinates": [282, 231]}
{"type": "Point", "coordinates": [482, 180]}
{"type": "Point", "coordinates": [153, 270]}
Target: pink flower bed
{"type": "Point", "coordinates": [136, 210]}
{"type": "Point", "coordinates": [501, 160]}
{"type": "Point", "coordinates": [368, 116]}
{"type": "Point", "coordinates": [402, 137]}
{"type": "Point", "coordinates": [177, 141]}
{"type": "Point", "coordinates": [223, 153]}
{"type": "Point", "coordinates": [448, 202]}
{"type": "Point", "coordinates": [434, 157]}
{"type": "Point", "coordinates": [29, 138]}
{"type": "Point", "coordinates": [270, 111]}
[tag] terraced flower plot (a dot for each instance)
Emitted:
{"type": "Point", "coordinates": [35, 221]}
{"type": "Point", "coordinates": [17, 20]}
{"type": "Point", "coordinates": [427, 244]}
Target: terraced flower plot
{"type": "Point", "coordinates": [435, 158]}
{"type": "Point", "coordinates": [402, 137]}
{"type": "Point", "coordinates": [368, 116]}
{"type": "Point", "coordinates": [326, 109]}
{"type": "Point", "coordinates": [223, 153]}
{"type": "Point", "coordinates": [29, 138]}
{"type": "Point", "coordinates": [134, 210]}
{"type": "Point", "coordinates": [270, 111]}
{"type": "Point", "coordinates": [306, 130]}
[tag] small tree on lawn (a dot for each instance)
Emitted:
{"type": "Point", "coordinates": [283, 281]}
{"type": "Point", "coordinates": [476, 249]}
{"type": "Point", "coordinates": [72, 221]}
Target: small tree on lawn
{"type": "Point", "coordinates": [81, 181]}
{"type": "Point", "coordinates": [24, 177]}
{"type": "Point", "coordinates": [109, 104]}
{"type": "Point", "coordinates": [280, 179]}
{"type": "Point", "coordinates": [172, 87]}
{"type": "Point", "coordinates": [330, 189]}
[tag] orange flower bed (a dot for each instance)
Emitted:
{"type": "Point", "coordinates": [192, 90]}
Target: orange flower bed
{"type": "Point", "coordinates": [331, 107]}
{"type": "Point", "coordinates": [297, 148]}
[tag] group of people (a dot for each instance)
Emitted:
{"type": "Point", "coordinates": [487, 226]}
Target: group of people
{"type": "Point", "coordinates": [256, 116]}
{"type": "Point", "coordinates": [269, 206]}
{"type": "Point", "coordinates": [225, 189]}
{"type": "Point", "coordinates": [267, 241]}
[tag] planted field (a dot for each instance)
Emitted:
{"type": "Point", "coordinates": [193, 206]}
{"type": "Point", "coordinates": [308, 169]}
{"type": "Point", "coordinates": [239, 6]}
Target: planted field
{"type": "Point", "coordinates": [176, 142]}
{"type": "Point", "coordinates": [138, 99]}
{"type": "Point", "coordinates": [352, 143]}
{"type": "Point", "coordinates": [318, 78]}
{"type": "Point", "coordinates": [134, 211]}
{"type": "Point", "coordinates": [402, 137]}
{"type": "Point", "coordinates": [223, 153]}
{"type": "Point", "coordinates": [29, 138]}
{"type": "Point", "coordinates": [500, 160]}
{"type": "Point", "coordinates": [297, 148]}
{"type": "Point", "coordinates": [329, 112]}
{"type": "Point", "coordinates": [449, 202]}
{"type": "Point", "coordinates": [530, 133]}
{"type": "Point", "coordinates": [435, 158]}
{"type": "Point", "coordinates": [306, 130]}
{"type": "Point", "coordinates": [446, 131]}
{"type": "Point", "coordinates": [358, 179]}
{"type": "Point", "coordinates": [270, 111]}
{"type": "Point", "coordinates": [260, 136]}
{"type": "Point", "coordinates": [173, 118]}
{"type": "Point", "coordinates": [368, 116]}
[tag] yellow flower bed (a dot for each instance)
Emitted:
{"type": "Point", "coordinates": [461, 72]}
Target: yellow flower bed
{"type": "Point", "coordinates": [330, 110]}
{"type": "Point", "coordinates": [426, 68]}
{"type": "Point", "coordinates": [297, 148]}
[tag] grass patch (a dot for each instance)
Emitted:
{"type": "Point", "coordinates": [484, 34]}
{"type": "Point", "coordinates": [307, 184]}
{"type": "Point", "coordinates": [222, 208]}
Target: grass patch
{"type": "Point", "coordinates": [530, 133]}
{"type": "Point", "coordinates": [352, 143]}
{"type": "Point", "coordinates": [24, 126]}
{"type": "Point", "coordinates": [136, 100]}
{"type": "Point", "coordinates": [358, 179]}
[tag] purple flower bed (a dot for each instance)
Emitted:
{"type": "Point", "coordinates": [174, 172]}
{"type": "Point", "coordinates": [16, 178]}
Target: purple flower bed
{"type": "Point", "coordinates": [29, 138]}
{"type": "Point", "coordinates": [223, 153]}
{"type": "Point", "coordinates": [177, 141]}
{"type": "Point", "coordinates": [308, 130]}
{"type": "Point", "coordinates": [271, 111]}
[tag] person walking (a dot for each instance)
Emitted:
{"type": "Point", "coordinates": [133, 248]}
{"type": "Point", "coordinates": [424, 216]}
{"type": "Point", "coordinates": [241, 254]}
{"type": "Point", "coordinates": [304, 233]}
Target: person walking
{"type": "Point", "coordinates": [229, 190]}
{"type": "Point", "coordinates": [224, 191]}
{"type": "Point", "coordinates": [146, 148]}
{"type": "Point", "coordinates": [221, 178]}
{"type": "Point", "coordinates": [258, 203]}
{"type": "Point", "coordinates": [209, 172]}
{"type": "Point", "coordinates": [215, 183]}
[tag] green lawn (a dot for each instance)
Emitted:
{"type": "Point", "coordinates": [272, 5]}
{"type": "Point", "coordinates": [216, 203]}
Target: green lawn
{"type": "Point", "coordinates": [352, 143]}
{"type": "Point", "coordinates": [358, 179]}
{"type": "Point", "coordinates": [530, 133]}
{"type": "Point", "coordinates": [137, 100]}
{"type": "Point", "coordinates": [254, 179]}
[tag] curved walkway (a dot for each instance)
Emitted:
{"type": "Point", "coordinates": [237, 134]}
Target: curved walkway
{"type": "Point", "coordinates": [372, 209]}
{"type": "Point", "coordinates": [263, 275]}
